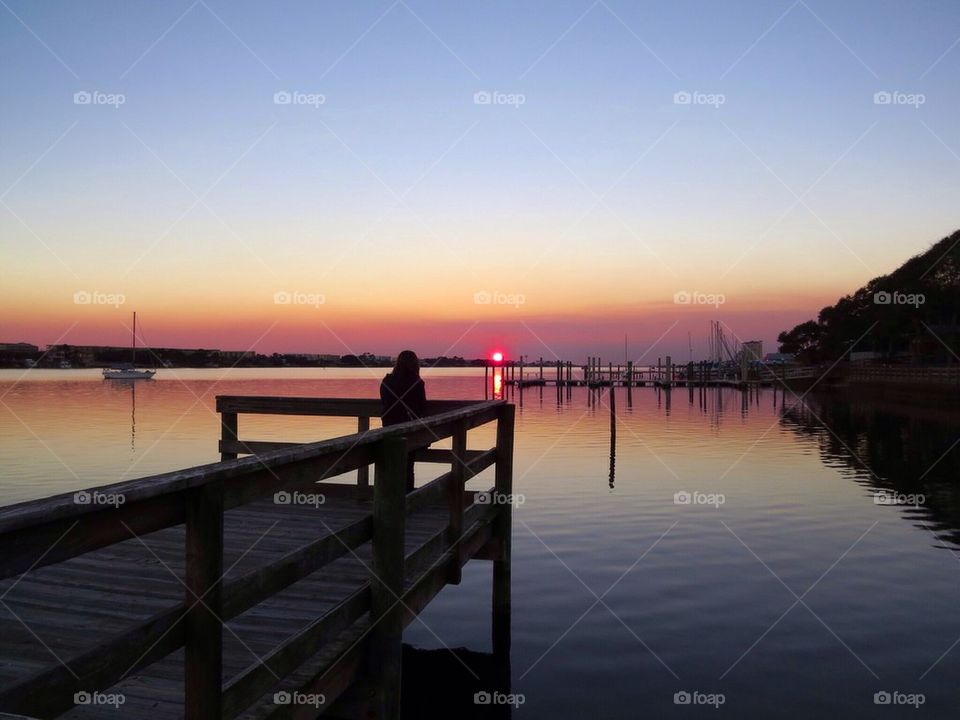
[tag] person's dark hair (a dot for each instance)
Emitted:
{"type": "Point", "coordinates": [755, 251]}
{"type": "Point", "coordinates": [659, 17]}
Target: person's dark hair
{"type": "Point", "coordinates": [408, 364]}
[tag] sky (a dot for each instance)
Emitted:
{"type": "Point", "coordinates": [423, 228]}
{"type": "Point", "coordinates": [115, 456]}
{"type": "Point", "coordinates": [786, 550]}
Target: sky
{"type": "Point", "coordinates": [545, 178]}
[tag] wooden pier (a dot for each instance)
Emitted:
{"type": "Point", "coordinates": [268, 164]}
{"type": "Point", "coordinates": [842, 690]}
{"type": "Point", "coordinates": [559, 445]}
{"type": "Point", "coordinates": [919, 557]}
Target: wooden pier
{"type": "Point", "coordinates": [258, 587]}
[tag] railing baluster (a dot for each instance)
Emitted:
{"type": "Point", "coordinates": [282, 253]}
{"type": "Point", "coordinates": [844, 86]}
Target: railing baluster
{"type": "Point", "coordinates": [386, 585]}
{"type": "Point", "coordinates": [502, 530]}
{"type": "Point", "coordinates": [363, 472]}
{"type": "Point", "coordinates": [455, 500]}
{"type": "Point", "coordinates": [203, 652]}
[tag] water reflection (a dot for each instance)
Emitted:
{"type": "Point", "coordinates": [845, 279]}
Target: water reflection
{"type": "Point", "coordinates": [455, 683]}
{"type": "Point", "coordinates": [129, 387]}
{"type": "Point", "coordinates": [897, 448]}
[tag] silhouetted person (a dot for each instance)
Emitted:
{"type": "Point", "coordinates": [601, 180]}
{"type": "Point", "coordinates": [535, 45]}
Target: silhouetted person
{"type": "Point", "coordinates": [403, 397]}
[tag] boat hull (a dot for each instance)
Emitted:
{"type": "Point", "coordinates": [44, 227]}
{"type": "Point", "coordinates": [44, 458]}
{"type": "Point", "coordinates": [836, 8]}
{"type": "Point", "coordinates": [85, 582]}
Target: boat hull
{"type": "Point", "coordinates": [128, 374]}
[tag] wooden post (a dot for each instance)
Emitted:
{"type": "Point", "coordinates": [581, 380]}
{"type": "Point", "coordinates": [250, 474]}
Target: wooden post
{"type": "Point", "coordinates": [541, 368]}
{"type": "Point", "coordinates": [203, 650]}
{"type": "Point", "coordinates": [228, 433]}
{"type": "Point", "coordinates": [669, 372]}
{"type": "Point", "coordinates": [629, 373]}
{"type": "Point", "coordinates": [486, 381]}
{"type": "Point", "coordinates": [363, 472]}
{"type": "Point", "coordinates": [502, 530]}
{"type": "Point", "coordinates": [455, 500]}
{"type": "Point", "coordinates": [384, 660]}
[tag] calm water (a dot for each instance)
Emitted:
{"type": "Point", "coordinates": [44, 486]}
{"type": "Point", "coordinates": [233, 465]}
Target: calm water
{"type": "Point", "coordinates": [797, 596]}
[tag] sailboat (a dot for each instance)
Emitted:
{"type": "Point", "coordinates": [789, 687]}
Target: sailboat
{"type": "Point", "coordinates": [131, 372]}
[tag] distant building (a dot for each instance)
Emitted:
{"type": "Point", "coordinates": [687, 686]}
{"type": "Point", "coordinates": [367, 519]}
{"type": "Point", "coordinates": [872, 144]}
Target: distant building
{"type": "Point", "coordinates": [236, 355]}
{"type": "Point", "coordinates": [778, 358]}
{"type": "Point", "coordinates": [753, 350]}
{"type": "Point", "coordinates": [18, 348]}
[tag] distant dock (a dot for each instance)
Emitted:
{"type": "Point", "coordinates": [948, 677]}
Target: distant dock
{"type": "Point", "coordinates": [665, 374]}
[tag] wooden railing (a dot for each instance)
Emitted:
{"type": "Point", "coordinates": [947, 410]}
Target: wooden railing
{"type": "Point", "coordinates": [44, 532]}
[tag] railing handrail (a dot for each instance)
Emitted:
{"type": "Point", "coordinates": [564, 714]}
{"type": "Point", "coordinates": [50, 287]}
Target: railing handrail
{"type": "Point", "coordinates": [62, 507]}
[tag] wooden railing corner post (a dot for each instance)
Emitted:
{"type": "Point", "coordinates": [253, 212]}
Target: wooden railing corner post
{"type": "Point", "coordinates": [228, 434]}
{"type": "Point", "coordinates": [384, 662]}
{"type": "Point", "coordinates": [203, 650]}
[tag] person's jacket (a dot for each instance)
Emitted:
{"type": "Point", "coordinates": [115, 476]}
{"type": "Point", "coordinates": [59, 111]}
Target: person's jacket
{"type": "Point", "coordinates": [402, 397]}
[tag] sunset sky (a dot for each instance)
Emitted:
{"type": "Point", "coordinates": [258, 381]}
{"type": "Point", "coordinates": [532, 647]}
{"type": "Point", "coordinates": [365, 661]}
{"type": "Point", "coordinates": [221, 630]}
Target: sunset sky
{"type": "Point", "coordinates": [542, 177]}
